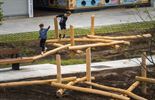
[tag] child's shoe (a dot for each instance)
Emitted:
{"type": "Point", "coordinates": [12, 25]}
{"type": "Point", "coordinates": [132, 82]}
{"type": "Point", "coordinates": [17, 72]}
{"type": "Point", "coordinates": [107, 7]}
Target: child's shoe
{"type": "Point", "coordinates": [42, 52]}
{"type": "Point", "coordinates": [45, 49]}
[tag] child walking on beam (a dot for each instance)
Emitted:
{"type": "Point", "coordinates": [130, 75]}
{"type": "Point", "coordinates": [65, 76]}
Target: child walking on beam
{"type": "Point", "coordinates": [43, 36]}
{"type": "Point", "coordinates": [62, 23]}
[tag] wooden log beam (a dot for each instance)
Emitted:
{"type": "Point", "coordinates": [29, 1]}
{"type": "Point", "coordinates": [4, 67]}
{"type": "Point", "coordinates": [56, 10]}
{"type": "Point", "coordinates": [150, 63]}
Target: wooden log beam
{"type": "Point", "coordinates": [31, 59]}
{"type": "Point", "coordinates": [79, 47]}
{"type": "Point", "coordinates": [88, 64]}
{"type": "Point", "coordinates": [51, 52]}
{"type": "Point", "coordinates": [58, 63]}
{"type": "Point", "coordinates": [80, 40]}
{"type": "Point", "coordinates": [121, 37]}
{"type": "Point", "coordinates": [92, 25]}
{"type": "Point", "coordinates": [56, 44]}
{"type": "Point", "coordinates": [56, 28]}
{"type": "Point", "coordinates": [60, 45]}
{"type": "Point", "coordinates": [36, 82]}
{"type": "Point", "coordinates": [133, 86]}
{"type": "Point", "coordinates": [144, 72]}
{"type": "Point", "coordinates": [88, 90]}
{"type": "Point", "coordinates": [72, 42]}
{"type": "Point", "coordinates": [60, 92]}
{"type": "Point", "coordinates": [16, 60]}
{"type": "Point", "coordinates": [144, 79]}
{"type": "Point", "coordinates": [122, 91]}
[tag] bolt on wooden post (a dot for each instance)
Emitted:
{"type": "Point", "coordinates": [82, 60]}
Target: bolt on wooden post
{"type": "Point", "coordinates": [92, 25]}
{"type": "Point", "coordinates": [58, 63]}
{"type": "Point", "coordinates": [144, 72]}
{"type": "Point", "coordinates": [88, 64]}
{"type": "Point", "coordinates": [56, 28]}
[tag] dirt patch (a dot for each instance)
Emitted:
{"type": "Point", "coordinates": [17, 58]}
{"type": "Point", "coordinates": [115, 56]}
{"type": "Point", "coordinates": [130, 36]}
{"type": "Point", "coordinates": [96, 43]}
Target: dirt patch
{"type": "Point", "coordinates": [31, 48]}
{"type": "Point", "coordinates": [121, 78]}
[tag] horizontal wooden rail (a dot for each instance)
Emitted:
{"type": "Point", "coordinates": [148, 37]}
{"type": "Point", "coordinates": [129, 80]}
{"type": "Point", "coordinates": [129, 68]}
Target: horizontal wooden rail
{"type": "Point", "coordinates": [36, 82]}
{"type": "Point", "coordinates": [144, 79]}
{"type": "Point", "coordinates": [78, 47]}
{"type": "Point", "coordinates": [121, 37]}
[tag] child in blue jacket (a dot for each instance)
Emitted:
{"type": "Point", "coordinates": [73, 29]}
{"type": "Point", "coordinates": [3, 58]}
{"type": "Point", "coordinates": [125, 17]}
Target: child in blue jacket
{"type": "Point", "coordinates": [43, 36]}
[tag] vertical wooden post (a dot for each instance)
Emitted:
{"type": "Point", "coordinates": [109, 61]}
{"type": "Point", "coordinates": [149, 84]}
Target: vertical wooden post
{"type": "Point", "coordinates": [92, 25]}
{"type": "Point", "coordinates": [72, 35]}
{"type": "Point", "coordinates": [58, 63]}
{"type": "Point", "coordinates": [56, 28]}
{"type": "Point", "coordinates": [144, 72]}
{"type": "Point", "coordinates": [88, 64]}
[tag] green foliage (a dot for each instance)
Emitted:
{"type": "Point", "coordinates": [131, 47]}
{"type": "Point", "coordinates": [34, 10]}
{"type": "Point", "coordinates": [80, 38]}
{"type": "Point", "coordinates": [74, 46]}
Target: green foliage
{"type": "Point", "coordinates": [139, 26]}
{"type": "Point", "coordinates": [1, 14]}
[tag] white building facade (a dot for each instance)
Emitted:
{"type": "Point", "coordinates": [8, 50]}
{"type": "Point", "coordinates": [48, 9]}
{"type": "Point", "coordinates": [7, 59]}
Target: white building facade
{"type": "Point", "coordinates": [25, 7]}
{"type": "Point", "coordinates": [17, 8]}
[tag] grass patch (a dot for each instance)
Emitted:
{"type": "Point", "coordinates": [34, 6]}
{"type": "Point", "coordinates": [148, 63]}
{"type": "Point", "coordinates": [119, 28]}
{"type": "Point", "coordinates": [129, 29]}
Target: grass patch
{"type": "Point", "coordinates": [81, 31]}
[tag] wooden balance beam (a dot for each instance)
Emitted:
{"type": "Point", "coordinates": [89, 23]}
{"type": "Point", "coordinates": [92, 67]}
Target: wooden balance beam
{"type": "Point", "coordinates": [122, 91]}
{"type": "Point", "coordinates": [88, 90]}
{"type": "Point", "coordinates": [144, 79]}
{"type": "Point", "coordinates": [36, 82]}
{"type": "Point", "coordinates": [121, 37]}
{"type": "Point", "coordinates": [51, 52]}
{"type": "Point", "coordinates": [31, 59]}
{"type": "Point", "coordinates": [79, 40]}
{"type": "Point", "coordinates": [78, 47]}
{"type": "Point", "coordinates": [60, 92]}
{"type": "Point", "coordinates": [16, 60]}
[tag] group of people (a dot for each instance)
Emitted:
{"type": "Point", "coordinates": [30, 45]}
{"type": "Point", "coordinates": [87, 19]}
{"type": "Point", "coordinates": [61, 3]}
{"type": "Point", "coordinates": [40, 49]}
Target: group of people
{"type": "Point", "coordinates": [43, 31]}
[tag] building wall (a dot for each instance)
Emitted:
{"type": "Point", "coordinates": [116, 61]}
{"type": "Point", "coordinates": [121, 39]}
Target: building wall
{"type": "Point", "coordinates": [15, 7]}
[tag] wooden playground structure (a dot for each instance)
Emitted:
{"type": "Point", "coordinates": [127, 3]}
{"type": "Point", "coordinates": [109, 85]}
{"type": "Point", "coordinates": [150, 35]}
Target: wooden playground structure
{"type": "Point", "coordinates": [70, 44]}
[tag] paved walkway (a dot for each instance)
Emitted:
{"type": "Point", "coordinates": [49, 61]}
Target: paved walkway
{"type": "Point", "coordinates": [32, 71]}
{"type": "Point", "coordinates": [102, 17]}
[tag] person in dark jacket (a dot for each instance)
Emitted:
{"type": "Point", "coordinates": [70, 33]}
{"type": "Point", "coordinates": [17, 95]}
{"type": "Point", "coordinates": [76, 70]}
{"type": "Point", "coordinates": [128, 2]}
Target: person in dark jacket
{"type": "Point", "coordinates": [62, 23]}
{"type": "Point", "coordinates": [43, 36]}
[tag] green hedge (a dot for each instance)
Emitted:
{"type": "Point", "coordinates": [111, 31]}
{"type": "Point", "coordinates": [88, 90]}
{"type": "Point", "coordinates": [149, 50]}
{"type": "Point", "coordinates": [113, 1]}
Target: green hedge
{"type": "Point", "coordinates": [1, 14]}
